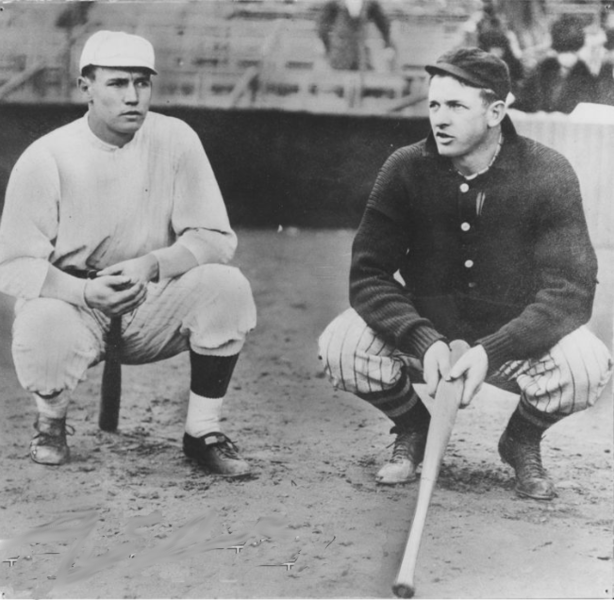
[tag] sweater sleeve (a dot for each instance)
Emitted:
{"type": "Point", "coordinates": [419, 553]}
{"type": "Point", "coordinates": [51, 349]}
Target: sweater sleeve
{"type": "Point", "coordinates": [29, 224]}
{"type": "Point", "coordinates": [566, 267]}
{"type": "Point", "coordinates": [378, 250]}
{"type": "Point", "coordinates": [199, 217]}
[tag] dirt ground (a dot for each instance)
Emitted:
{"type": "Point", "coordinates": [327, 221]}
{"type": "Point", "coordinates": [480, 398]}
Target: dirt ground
{"type": "Point", "coordinates": [130, 517]}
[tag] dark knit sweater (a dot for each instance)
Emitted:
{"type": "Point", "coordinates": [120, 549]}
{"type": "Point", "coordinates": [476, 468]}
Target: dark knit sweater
{"type": "Point", "coordinates": [531, 275]}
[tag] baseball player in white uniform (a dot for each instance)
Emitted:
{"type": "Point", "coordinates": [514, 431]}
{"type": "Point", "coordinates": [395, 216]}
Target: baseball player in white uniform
{"type": "Point", "coordinates": [118, 215]}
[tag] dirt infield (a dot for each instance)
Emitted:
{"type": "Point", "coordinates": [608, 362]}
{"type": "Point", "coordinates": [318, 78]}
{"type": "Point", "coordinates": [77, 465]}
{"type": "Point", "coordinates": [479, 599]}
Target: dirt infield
{"type": "Point", "coordinates": [146, 523]}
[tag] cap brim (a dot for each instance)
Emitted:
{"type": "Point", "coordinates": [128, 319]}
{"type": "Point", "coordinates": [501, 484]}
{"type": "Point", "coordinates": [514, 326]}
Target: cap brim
{"type": "Point", "coordinates": [443, 68]}
{"type": "Point", "coordinates": [118, 65]}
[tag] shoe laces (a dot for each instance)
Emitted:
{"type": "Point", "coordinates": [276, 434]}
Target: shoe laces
{"type": "Point", "coordinates": [532, 460]}
{"type": "Point", "coordinates": [527, 456]}
{"type": "Point", "coordinates": [226, 447]}
{"type": "Point", "coordinates": [408, 445]}
{"type": "Point", "coordinates": [58, 440]}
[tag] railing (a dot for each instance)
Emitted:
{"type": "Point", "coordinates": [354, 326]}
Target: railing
{"type": "Point", "coordinates": [590, 149]}
{"type": "Point", "coordinates": [207, 51]}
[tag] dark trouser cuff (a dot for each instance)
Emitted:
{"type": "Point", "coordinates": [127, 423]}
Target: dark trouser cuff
{"type": "Point", "coordinates": [395, 401]}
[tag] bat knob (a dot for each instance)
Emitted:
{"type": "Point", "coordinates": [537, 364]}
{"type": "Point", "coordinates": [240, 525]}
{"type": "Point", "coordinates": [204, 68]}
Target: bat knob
{"type": "Point", "coordinates": [403, 590]}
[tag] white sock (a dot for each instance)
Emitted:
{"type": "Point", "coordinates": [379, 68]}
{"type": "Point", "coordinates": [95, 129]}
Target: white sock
{"type": "Point", "coordinates": [203, 415]}
{"type": "Point", "coordinates": [53, 408]}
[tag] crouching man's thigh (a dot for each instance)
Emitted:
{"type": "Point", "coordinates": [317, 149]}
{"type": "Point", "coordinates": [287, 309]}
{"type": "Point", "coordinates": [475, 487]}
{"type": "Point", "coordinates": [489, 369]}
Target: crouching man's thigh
{"type": "Point", "coordinates": [209, 309]}
{"type": "Point", "coordinates": [356, 359]}
{"type": "Point", "coordinates": [568, 378]}
{"type": "Point", "coordinates": [54, 343]}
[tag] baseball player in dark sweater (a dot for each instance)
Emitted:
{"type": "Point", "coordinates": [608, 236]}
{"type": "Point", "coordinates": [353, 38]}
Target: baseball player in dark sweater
{"type": "Point", "coordinates": [474, 233]}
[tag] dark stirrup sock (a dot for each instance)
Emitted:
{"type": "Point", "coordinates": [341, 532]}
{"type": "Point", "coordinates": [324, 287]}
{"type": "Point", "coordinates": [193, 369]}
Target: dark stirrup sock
{"type": "Point", "coordinates": [210, 375]}
{"type": "Point", "coordinates": [519, 427]}
{"type": "Point", "coordinates": [417, 418]}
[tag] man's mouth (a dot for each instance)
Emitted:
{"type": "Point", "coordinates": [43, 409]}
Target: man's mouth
{"type": "Point", "coordinates": [443, 137]}
{"type": "Point", "coordinates": [132, 113]}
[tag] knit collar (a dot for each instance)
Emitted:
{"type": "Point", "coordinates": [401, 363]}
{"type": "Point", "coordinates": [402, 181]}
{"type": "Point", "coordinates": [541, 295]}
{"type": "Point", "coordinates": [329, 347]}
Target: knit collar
{"type": "Point", "coordinates": [507, 158]}
{"type": "Point", "coordinates": [101, 144]}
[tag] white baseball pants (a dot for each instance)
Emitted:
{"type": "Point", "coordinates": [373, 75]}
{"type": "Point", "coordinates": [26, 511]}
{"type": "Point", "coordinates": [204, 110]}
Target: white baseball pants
{"type": "Point", "coordinates": [209, 309]}
{"type": "Point", "coordinates": [568, 378]}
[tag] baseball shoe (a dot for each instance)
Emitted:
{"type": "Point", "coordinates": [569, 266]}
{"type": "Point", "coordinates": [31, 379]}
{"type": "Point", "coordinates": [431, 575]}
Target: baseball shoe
{"type": "Point", "coordinates": [48, 446]}
{"type": "Point", "coordinates": [524, 456]}
{"type": "Point", "coordinates": [217, 453]}
{"type": "Point", "coordinates": [407, 454]}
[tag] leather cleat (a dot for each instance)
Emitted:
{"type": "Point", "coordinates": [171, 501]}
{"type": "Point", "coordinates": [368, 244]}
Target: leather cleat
{"type": "Point", "coordinates": [217, 453]}
{"type": "Point", "coordinates": [407, 454]}
{"type": "Point", "coordinates": [523, 454]}
{"type": "Point", "coordinates": [48, 446]}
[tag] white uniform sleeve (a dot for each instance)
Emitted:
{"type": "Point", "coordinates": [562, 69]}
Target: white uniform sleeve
{"type": "Point", "coordinates": [199, 218]}
{"type": "Point", "coordinates": [29, 224]}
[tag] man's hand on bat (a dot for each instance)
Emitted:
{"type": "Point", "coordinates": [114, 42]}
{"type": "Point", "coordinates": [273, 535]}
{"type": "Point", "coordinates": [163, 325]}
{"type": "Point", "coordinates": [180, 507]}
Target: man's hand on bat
{"type": "Point", "coordinates": [472, 367]}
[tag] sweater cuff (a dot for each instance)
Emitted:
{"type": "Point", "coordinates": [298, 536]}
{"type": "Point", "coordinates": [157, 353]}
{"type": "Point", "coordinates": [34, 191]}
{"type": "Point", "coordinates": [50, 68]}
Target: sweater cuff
{"type": "Point", "coordinates": [499, 348]}
{"type": "Point", "coordinates": [422, 338]}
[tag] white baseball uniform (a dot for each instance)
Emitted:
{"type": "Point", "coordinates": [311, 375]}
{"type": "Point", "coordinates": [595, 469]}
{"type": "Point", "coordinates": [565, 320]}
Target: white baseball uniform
{"type": "Point", "coordinates": [76, 201]}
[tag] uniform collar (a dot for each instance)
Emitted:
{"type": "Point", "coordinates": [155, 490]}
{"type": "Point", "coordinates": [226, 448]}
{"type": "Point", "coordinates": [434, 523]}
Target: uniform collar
{"type": "Point", "coordinates": [101, 144]}
{"type": "Point", "coordinates": [508, 156]}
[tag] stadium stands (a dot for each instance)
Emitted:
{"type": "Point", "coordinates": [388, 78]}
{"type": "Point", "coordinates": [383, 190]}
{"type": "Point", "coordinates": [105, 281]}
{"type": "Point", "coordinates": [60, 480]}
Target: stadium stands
{"type": "Point", "coordinates": [221, 53]}
{"type": "Point", "coordinates": [239, 54]}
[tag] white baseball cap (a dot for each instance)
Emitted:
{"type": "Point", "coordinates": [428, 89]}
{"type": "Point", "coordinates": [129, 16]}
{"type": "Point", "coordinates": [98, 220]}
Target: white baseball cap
{"type": "Point", "coordinates": [117, 49]}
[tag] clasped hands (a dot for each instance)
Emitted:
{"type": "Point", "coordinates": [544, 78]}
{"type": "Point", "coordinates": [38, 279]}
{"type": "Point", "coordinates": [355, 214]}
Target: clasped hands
{"type": "Point", "coordinates": [472, 366]}
{"type": "Point", "coordinates": [122, 287]}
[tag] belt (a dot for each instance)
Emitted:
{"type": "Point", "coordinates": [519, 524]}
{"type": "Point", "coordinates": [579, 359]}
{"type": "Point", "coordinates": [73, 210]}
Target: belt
{"type": "Point", "coordinates": [81, 273]}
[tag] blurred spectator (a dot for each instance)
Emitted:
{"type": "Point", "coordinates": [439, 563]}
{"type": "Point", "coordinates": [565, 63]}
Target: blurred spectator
{"type": "Point", "coordinates": [342, 27]}
{"type": "Point", "coordinates": [561, 81]}
{"type": "Point", "coordinates": [605, 83]}
{"type": "Point", "coordinates": [593, 52]}
{"type": "Point", "coordinates": [497, 15]}
{"type": "Point", "coordinates": [497, 42]}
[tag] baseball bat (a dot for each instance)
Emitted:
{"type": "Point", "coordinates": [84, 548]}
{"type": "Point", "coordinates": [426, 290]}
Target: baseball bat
{"type": "Point", "coordinates": [111, 386]}
{"type": "Point", "coordinates": [443, 415]}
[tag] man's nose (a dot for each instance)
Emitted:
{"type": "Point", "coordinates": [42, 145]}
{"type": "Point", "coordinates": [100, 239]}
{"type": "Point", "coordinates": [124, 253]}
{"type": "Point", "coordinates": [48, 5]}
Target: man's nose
{"type": "Point", "coordinates": [131, 96]}
{"type": "Point", "coordinates": [441, 117]}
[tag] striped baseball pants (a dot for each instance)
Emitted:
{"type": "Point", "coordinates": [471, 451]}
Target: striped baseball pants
{"type": "Point", "coordinates": [209, 309]}
{"type": "Point", "coordinates": [568, 378]}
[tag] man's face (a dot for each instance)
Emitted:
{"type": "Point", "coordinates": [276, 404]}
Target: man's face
{"type": "Point", "coordinates": [458, 117]}
{"type": "Point", "coordinates": [118, 102]}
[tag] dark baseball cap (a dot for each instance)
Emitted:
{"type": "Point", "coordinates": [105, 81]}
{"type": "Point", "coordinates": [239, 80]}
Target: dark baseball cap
{"type": "Point", "coordinates": [476, 68]}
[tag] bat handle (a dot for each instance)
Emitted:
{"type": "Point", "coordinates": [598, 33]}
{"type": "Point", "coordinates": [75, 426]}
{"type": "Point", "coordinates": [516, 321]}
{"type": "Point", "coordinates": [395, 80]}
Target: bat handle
{"type": "Point", "coordinates": [111, 386]}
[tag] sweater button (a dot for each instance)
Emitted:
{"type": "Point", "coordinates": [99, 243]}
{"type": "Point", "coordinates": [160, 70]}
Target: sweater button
{"type": "Point", "coordinates": [464, 187]}
{"type": "Point", "coordinates": [465, 226]}
{"type": "Point", "coordinates": [472, 284]}
{"type": "Point", "coordinates": [469, 264]}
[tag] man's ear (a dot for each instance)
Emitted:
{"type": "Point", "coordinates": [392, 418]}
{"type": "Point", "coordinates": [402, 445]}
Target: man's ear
{"type": "Point", "coordinates": [84, 84]}
{"type": "Point", "coordinates": [496, 112]}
